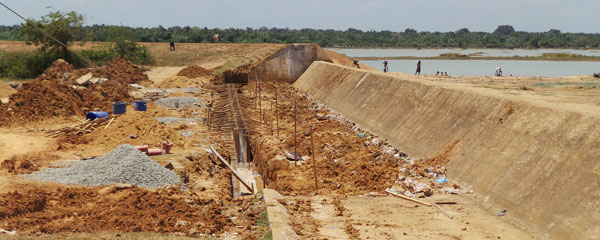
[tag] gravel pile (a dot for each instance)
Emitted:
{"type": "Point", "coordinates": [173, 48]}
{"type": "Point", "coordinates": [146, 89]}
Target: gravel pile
{"type": "Point", "coordinates": [173, 90]}
{"type": "Point", "coordinates": [167, 120]}
{"type": "Point", "coordinates": [124, 164]}
{"type": "Point", "coordinates": [179, 102]}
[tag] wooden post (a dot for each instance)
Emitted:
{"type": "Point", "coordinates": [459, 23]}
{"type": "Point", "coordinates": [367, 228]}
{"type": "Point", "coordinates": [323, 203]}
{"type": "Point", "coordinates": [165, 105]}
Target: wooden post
{"type": "Point", "coordinates": [312, 147]}
{"type": "Point", "coordinates": [260, 102]}
{"type": "Point", "coordinates": [295, 142]}
{"type": "Point", "coordinates": [277, 114]}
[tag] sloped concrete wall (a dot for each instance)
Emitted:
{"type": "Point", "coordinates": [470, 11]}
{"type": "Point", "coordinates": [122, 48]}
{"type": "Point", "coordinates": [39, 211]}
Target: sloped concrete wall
{"type": "Point", "coordinates": [289, 63]}
{"type": "Point", "coordinates": [540, 163]}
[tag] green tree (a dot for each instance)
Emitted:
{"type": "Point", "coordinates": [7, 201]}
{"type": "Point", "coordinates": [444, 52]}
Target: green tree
{"type": "Point", "coordinates": [505, 30]}
{"type": "Point", "coordinates": [61, 26]}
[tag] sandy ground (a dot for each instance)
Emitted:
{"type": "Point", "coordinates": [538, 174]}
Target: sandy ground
{"type": "Point", "coordinates": [314, 217]}
{"type": "Point", "coordinates": [159, 74]}
{"type": "Point", "coordinates": [365, 217]}
{"type": "Point", "coordinates": [576, 94]}
{"type": "Point", "coordinates": [28, 143]}
{"type": "Point", "coordinates": [348, 172]}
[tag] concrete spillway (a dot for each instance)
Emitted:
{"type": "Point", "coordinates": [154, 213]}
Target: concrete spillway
{"type": "Point", "coordinates": [539, 162]}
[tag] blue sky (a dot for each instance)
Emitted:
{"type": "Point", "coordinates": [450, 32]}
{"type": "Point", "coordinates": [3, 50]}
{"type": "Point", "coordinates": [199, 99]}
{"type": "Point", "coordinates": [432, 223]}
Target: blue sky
{"type": "Point", "coordinates": [423, 15]}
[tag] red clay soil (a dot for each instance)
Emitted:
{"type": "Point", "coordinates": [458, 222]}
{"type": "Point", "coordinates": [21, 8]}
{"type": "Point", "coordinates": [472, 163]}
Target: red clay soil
{"type": "Point", "coordinates": [141, 124]}
{"type": "Point", "coordinates": [119, 207]}
{"type": "Point", "coordinates": [133, 209]}
{"type": "Point", "coordinates": [300, 211]}
{"type": "Point", "coordinates": [123, 71]}
{"type": "Point", "coordinates": [345, 165]}
{"type": "Point", "coordinates": [27, 163]}
{"type": "Point", "coordinates": [194, 71]}
{"type": "Point", "coordinates": [50, 95]}
{"type": "Point", "coordinates": [441, 159]}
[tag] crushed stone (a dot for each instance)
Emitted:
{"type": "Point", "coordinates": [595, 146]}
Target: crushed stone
{"type": "Point", "coordinates": [179, 102]}
{"type": "Point", "coordinates": [167, 120]}
{"type": "Point", "coordinates": [124, 164]}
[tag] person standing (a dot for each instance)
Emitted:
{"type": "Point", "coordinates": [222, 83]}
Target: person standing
{"type": "Point", "coordinates": [385, 66]}
{"type": "Point", "coordinates": [355, 61]}
{"type": "Point", "coordinates": [172, 44]}
{"type": "Point", "coordinates": [418, 72]}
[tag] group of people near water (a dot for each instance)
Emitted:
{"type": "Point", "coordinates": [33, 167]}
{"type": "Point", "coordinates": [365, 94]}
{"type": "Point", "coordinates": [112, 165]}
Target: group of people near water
{"type": "Point", "coordinates": [418, 72]}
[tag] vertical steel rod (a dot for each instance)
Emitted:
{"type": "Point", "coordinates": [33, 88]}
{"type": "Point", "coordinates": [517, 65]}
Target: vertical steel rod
{"type": "Point", "coordinates": [295, 142]}
{"type": "Point", "coordinates": [277, 114]}
{"type": "Point", "coordinates": [312, 147]}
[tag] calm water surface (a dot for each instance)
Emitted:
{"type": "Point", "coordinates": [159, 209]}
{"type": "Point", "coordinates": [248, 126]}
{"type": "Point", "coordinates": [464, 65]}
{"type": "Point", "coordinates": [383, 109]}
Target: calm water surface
{"type": "Point", "coordinates": [488, 67]}
{"type": "Point", "coordinates": [480, 67]}
{"type": "Point", "coordinates": [356, 52]}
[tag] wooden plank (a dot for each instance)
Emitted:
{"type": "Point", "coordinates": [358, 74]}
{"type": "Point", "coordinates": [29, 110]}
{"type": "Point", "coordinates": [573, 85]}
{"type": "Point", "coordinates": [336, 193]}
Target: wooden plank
{"type": "Point", "coordinates": [407, 198]}
{"type": "Point", "coordinates": [109, 122]}
{"type": "Point", "coordinates": [442, 210]}
{"type": "Point", "coordinates": [445, 202]}
{"type": "Point", "coordinates": [235, 173]}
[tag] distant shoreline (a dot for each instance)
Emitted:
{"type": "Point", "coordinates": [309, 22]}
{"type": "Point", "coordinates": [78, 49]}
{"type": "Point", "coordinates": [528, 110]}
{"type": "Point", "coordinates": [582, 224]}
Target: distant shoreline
{"type": "Point", "coordinates": [463, 57]}
{"type": "Point", "coordinates": [462, 49]}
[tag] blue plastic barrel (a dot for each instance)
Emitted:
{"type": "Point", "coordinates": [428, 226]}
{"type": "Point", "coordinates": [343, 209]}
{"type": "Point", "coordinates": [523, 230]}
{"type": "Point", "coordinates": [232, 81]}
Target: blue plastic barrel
{"type": "Point", "coordinates": [119, 107]}
{"type": "Point", "coordinates": [96, 114]}
{"type": "Point", "coordinates": [139, 106]}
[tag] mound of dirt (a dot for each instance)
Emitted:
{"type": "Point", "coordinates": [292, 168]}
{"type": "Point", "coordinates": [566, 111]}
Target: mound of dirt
{"type": "Point", "coordinates": [51, 95]}
{"type": "Point", "coordinates": [58, 70]}
{"type": "Point", "coordinates": [236, 75]}
{"type": "Point", "coordinates": [194, 71]}
{"type": "Point", "coordinates": [121, 70]}
{"type": "Point", "coordinates": [120, 207]}
{"type": "Point", "coordinates": [114, 208]}
{"type": "Point", "coordinates": [143, 125]}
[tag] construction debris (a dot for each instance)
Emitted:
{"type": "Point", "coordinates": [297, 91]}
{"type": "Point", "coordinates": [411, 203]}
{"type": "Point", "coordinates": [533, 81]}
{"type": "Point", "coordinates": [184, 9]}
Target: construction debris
{"type": "Point", "coordinates": [81, 129]}
{"type": "Point", "coordinates": [407, 198]}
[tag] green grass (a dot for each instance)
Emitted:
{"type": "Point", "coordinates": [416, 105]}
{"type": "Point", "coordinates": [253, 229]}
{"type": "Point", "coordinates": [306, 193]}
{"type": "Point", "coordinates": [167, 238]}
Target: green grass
{"type": "Point", "coordinates": [552, 84]}
{"type": "Point", "coordinates": [268, 236]}
{"type": "Point", "coordinates": [263, 221]}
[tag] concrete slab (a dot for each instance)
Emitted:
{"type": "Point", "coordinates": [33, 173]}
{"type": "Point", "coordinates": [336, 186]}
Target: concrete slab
{"type": "Point", "coordinates": [279, 219]}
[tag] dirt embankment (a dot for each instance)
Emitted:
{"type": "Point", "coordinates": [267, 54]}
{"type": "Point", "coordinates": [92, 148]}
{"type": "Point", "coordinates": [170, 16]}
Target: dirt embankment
{"type": "Point", "coordinates": [348, 161]}
{"type": "Point", "coordinates": [194, 71]}
{"type": "Point", "coordinates": [53, 94]}
{"type": "Point", "coordinates": [344, 60]}
{"type": "Point", "coordinates": [513, 150]}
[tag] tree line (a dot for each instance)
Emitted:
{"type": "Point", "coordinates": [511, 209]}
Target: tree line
{"type": "Point", "coordinates": [504, 36]}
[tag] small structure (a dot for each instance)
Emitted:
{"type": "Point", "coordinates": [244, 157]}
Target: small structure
{"type": "Point", "coordinates": [289, 63]}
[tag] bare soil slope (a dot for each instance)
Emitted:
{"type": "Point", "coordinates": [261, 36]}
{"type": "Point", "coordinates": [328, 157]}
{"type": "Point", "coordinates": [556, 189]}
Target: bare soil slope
{"type": "Point", "coordinates": [536, 158]}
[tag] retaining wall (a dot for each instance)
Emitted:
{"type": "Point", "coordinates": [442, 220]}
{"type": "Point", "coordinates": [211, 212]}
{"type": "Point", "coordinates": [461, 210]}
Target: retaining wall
{"type": "Point", "coordinates": [289, 63]}
{"type": "Point", "coordinates": [540, 163]}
